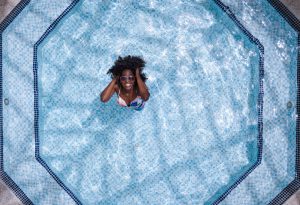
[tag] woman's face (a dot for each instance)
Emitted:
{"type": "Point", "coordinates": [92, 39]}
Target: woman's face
{"type": "Point", "coordinates": [127, 79]}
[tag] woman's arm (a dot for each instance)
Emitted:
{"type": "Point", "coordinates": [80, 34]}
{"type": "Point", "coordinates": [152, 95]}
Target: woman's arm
{"type": "Point", "coordinates": [109, 90]}
{"type": "Point", "coordinates": [143, 90]}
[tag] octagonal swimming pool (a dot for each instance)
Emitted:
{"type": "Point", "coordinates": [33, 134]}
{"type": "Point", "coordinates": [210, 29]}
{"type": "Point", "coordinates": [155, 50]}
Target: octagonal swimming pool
{"type": "Point", "coordinates": [220, 125]}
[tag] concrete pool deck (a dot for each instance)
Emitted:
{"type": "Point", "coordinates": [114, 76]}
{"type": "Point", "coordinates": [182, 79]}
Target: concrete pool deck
{"type": "Point", "coordinates": [6, 6]}
{"type": "Point", "coordinates": [7, 197]}
{"type": "Point", "coordinates": [293, 6]}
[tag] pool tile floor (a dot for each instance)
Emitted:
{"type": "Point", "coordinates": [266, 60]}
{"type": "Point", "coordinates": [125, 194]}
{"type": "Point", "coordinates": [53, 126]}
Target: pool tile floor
{"type": "Point", "coordinates": [7, 197]}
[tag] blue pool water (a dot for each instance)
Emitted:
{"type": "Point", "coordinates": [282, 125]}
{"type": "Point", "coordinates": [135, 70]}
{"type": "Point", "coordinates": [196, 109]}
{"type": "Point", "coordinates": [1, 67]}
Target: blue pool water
{"type": "Point", "coordinates": [198, 137]}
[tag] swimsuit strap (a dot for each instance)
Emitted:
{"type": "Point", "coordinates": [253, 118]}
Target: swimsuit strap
{"type": "Point", "coordinates": [136, 104]}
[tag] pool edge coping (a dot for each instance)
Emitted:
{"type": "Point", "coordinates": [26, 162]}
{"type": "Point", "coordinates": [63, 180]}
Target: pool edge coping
{"type": "Point", "coordinates": [36, 101]}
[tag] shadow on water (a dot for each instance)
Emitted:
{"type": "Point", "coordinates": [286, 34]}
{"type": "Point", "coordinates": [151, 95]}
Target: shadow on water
{"type": "Point", "coordinates": [114, 120]}
{"type": "Point", "coordinates": [109, 115]}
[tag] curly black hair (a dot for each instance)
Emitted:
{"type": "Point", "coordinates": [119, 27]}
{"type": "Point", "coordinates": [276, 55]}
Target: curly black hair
{"type": "Point", "coordinates": [128, 62]}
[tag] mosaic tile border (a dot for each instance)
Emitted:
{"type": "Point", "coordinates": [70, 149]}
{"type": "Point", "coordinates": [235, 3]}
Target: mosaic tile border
{"type": "Point", "coordinates": [227, 10]}
{"type": "Point", "coordinates": [277, 200]}
{"type": "Point", "coordinates": [4, 176]}
{"type": "Point", "coordinates": [260, 102]}
{"type": "Point", "coordinates": [36, 107]}
{"type": "Point", "coordinates": [294, 186]}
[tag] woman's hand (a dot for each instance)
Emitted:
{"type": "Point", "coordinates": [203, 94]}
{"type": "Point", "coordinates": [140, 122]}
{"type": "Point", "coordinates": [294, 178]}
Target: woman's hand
{"type": "Point", "coordinates": [142, 88]}
{"type": "Point", "coordinates": [116, 78]}
{"type": "Point", "coordinates": [137, 72]}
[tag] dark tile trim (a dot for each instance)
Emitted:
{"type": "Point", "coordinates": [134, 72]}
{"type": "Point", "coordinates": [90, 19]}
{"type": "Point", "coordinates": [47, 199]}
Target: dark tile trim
{"type": "Point", "coordinates": [14, 187]}
{"type": "Point", "coordinates": [7, 180]}
{"type": "Point", "coordinates": [36, 107]}
{"type": "Point", "coordinates": [260, 102]}
{"type": "Point", "coordinates": [255, 41]}
{"type": "Point", "coordinates": [294, 186]}
{"type": "Point", "coordinates": [285, 13]}
{"type": "Point", "coordinates": [295, 23]}
{"type": "Point", "coordinates": [288, 191]}
{"type": "Point", "coordinates": [13, 14]}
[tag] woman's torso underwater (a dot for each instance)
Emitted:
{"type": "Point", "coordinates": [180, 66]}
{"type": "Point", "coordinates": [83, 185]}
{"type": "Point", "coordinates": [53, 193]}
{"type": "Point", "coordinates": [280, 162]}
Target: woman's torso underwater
{"type": "Point", "coordinates": [137, 103]}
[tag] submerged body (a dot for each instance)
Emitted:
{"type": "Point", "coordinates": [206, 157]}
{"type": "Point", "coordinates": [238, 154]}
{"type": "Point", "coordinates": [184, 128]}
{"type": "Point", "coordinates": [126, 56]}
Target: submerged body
{"type": "Point", "coordinates": [137, 104]}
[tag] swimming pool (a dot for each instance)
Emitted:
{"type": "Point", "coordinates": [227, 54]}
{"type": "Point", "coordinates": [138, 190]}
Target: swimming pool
{"type": "Point", "coordinates": [217, 129]}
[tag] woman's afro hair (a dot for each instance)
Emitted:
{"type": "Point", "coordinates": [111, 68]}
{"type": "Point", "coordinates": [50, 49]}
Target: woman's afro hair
{"type": "Point", "coordinates": [128, 62]}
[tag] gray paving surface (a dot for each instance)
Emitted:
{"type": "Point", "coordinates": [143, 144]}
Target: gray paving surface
{"type": "Point", "coordinates": [293, 6]}
{"type": "Point", "coordinates": [7, 197]}
{"type": "Point", "coordinates": [6, 6]}
{"type": "Point", "coordinates": [293, 200]}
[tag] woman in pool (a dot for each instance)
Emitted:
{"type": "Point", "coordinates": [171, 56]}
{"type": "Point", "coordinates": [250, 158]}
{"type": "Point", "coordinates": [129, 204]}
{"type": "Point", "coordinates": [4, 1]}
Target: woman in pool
{"type": "Point", "coordinates": [128, 82]}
